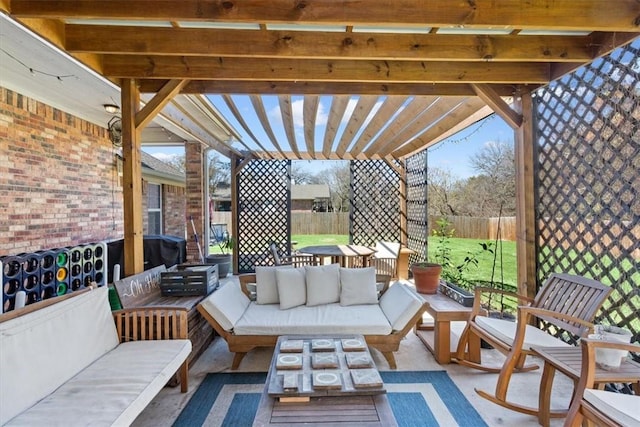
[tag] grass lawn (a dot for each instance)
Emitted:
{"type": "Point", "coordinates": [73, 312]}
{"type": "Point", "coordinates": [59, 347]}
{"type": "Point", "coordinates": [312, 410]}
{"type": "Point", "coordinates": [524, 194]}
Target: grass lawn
{"type": "Point", "coordinates": [459, 250]}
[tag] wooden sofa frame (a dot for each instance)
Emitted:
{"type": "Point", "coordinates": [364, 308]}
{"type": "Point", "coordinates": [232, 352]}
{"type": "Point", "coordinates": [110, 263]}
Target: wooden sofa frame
{"type": "Point", "coordinates": [242, 344]}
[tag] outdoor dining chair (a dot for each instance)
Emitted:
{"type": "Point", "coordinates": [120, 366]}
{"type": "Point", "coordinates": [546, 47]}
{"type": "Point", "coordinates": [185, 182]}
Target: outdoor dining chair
{"type": "Point", "coordinates": [385, 259]}
{"type": "Point", "coordinates": [564, 303]}
{"type": "Point", "coordinates": [604, 408]}
{"type": "Point", "coordinates": [297, 260]}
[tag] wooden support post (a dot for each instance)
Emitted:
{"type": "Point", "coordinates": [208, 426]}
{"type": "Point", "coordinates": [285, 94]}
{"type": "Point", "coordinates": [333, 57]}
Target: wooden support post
{"type": "Point", "coordinates": [525, 199]}
{"type": "Point", "coordinates": [132, 180]}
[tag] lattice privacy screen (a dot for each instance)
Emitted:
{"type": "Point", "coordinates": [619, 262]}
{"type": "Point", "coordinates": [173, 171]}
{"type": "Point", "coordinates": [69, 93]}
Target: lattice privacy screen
{"type": "Point", "coordinates": [417, 227]}
{"type": "Point", "coordinates": [375, 202]}
{"type": "Point", "coordinates": [588, 152]}
{"type": "Point", "coordinates": [263, 211]}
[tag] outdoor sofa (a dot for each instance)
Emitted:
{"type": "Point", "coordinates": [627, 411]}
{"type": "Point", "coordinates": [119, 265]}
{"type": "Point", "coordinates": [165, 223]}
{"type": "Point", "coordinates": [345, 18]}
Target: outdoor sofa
{"type": "Point", "coordinates": [312, 300]}
{"type": "Point", "coordinates": [65, 361]}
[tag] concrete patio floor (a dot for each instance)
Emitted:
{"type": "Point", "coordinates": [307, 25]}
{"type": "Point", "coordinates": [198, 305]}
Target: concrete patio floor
{"type": "Point", "coordinates": [413, 355]}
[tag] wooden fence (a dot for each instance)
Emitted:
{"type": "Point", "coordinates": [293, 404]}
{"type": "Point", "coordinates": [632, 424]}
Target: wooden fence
{"type": "Point", "coordinates": [338, 223]}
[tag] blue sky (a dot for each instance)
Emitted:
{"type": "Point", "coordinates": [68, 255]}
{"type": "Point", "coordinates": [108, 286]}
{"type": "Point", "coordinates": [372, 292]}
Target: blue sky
{"type": "Point", "coordinates": [451, 154]}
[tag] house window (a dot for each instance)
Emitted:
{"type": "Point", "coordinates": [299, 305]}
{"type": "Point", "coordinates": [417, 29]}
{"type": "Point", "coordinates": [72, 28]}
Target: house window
{"type": "Point", "coordinates": [154, 208]}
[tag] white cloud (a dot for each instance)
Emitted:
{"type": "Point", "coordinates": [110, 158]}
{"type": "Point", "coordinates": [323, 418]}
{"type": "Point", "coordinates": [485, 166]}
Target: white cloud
{"type": "Point", "coordinates": [165, 157]}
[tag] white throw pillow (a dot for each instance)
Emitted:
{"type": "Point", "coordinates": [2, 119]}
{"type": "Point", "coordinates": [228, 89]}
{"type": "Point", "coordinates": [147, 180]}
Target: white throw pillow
{"type": "Point", "coordinates": [292, 288]}
{"type": "Point", "coordinates": [358, 286]}
{"type": "Point", "coordinates": [266, 289]}
{"type": "Point", "coordinates": [323, 284]}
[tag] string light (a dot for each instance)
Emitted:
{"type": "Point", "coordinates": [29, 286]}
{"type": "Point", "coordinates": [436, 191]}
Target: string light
{"type": "Point", "coordinates": [464, 138]}
{"type": "Point", "coordinates": [34, 71]}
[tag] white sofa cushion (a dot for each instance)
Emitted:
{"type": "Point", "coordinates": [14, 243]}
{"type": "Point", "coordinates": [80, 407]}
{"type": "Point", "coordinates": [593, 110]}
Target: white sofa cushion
{"type": "Point", "coordinates": [266, 284]}
{"type": "Point", "coordinates": [120, 385]}
{"type": "Point", "coordinates": [323, 284]}
{"type": "Point", "coordinates": [358, 286]}
{"type": "Point", "coordinates": [35, 349]}
{"type": "Point", "coordinates": [322, 319]}
{"type": "Point", "coordinates": [400, 304]}
{"type": "Point", "coordinates": [622, 408]}
{"type": "Point", "coordinates": [505, 331]}
{"type": "Point", "coordinates": [226, 305]}
{"type": "Point", "coordinates": [292, 287]}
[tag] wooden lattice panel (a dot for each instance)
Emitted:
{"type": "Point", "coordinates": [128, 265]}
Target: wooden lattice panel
{"type": "Point", "coordinates": [417, 227]}
{"type": "Point", "coordinates": [588, 172]}
{"type": "Point", "coordinates": [375, 202]}
{"type": "Point", "coordinates": [263, 211]}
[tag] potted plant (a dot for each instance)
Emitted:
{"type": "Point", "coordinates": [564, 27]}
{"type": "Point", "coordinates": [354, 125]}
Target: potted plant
{"type": "Point", "coordinates": [455, 283]}
{"type": "Point", "coordinates": [426, 277]}
{"type": "Point", "coordinates": [224, 258]}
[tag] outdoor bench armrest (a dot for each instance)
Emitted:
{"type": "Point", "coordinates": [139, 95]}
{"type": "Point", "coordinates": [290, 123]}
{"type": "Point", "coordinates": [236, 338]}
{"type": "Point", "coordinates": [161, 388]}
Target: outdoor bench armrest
{"type": "Point", "coordinates": [151, 323]}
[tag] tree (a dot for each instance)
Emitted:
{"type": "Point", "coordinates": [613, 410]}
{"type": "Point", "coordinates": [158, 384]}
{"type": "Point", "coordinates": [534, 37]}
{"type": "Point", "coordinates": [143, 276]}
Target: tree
{"type": "Point", "coordinates": [219, 173]}
{"type": "Point", "coordinates": [338, 179]}
{"type": "Point", "coordinates": [299, 176]}
{"type": "Point", "coordinates": [496, 184]}
{"type": "Point", "coordinates": [443, 193]}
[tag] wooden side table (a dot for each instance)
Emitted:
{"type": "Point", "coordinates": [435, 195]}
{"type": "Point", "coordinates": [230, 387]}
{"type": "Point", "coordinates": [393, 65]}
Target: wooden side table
{"type": "Point", "coordinates": [568, 360]}
{"type": "Point", "coordinates": [437, 338]}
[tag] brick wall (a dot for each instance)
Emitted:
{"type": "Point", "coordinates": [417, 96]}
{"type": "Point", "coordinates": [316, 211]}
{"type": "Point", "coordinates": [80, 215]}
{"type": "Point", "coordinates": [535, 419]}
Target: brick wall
{"type": "Point", "coordinates": [194, 158]}
{"type": "Point", "coordinates": [173, 212]}
{"type": "Point", "coordinates": [57, 182]}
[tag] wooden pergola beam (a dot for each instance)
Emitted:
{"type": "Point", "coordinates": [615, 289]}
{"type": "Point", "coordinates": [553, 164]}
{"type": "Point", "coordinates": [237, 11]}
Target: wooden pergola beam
{"type": "Point", "coordinates": [498, 105]}
{"type": "Point", "coordinates": [158, 102]}
{"type": "Point", "coordinates": [173, 67]}
{"type": "Point", "coordinates": [329, 45]}
{"type": "Point", "coordinates": [271, 87]}
{"type": "Point", "coordinates": [564, 15]}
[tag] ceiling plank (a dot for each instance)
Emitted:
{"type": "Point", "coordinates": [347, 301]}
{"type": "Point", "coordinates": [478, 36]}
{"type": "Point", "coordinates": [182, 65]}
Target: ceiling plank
{"type": "Point", "coordinates": [323, 88]}
{"type": "Point", "coordinates": [498, 105]}
{"type": "Point", "coordinates": [256, 101]}
{"type": "Point", "coordinates": [173, 67]}
{"type": "Point", "coordinates": [453, 118]}
{"type": "Point", "coordinates": [383, 115]}
{"type": "Point", "coordinates": [360, 113]}
{"type": "Point", "coordinates": [309, 114]}
{"type": "Point", "coordinates": [239, 117]}
{"type": "Point", "coordinates": [147, 113]}
{"type": "Point", "coordinates": [336, 112]}
{"type": "Point", "coordinates": [286, 112]}
{"type": "Point", "coordinates": [417, 105]}
{"type": "Point", "coordinates": [559, 15]}
{"type": "Point", "coordinates": [317, 45]}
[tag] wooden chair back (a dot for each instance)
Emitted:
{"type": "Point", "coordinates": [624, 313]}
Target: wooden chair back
{"type": "Point", "coordinates": [574, 296]}
{"type": "Point", "coordinates": [385, 259]}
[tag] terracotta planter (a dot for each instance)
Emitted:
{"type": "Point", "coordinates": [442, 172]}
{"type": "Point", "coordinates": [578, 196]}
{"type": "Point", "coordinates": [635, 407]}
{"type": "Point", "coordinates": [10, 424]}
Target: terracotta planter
{"type": "Point", "coordinates": [426, 277]}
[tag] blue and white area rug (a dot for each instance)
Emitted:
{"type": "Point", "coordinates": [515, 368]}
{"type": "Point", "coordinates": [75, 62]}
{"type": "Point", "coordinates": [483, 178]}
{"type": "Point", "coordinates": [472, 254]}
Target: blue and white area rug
{"type": "Point", "coordinates": [417, 398]}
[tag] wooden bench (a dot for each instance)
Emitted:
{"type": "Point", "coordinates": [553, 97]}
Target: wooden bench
{"type": "Point", "coordinates": [143, 290]}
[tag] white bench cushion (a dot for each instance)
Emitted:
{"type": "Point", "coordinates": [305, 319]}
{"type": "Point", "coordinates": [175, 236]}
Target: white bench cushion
{"type": "Point", "coordinates": [505, 331]}
{"type": "Point", "coordinates": [400, 304]}
{"type": "Point", "coordinates": [261, 319]}
{"type": "Point", "coordinates": [115, 388]}
{"type": "Point", "coordinates": [227, 305]}
{"type": "Point", "coordinates": [45, 348]}
{"type": "Point", "coordinates": [622, 408]}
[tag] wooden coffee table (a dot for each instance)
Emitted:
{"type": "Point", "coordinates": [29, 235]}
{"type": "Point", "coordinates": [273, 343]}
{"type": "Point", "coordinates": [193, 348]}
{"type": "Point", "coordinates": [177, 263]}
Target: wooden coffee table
{"type": "Point", "coordinates": [437, 337]}
{"type": "Point", "coordinates": [321, 380]}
